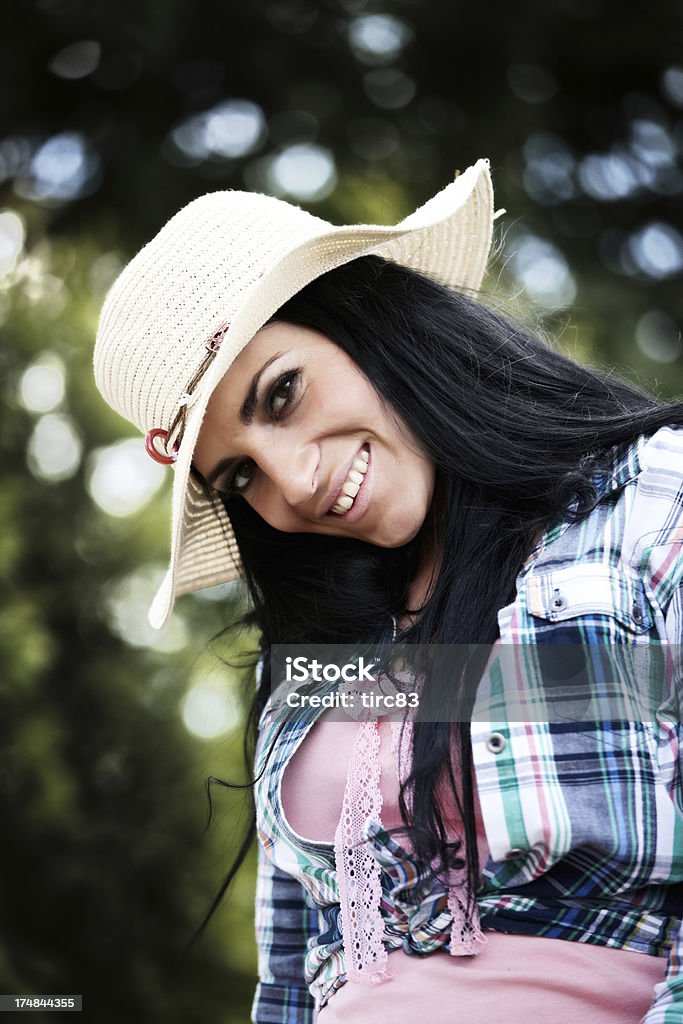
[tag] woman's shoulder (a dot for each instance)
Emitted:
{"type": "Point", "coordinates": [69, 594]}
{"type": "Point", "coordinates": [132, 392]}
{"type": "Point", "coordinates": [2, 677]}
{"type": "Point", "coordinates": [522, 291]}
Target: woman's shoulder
{"type": "Point", "coordinates": [656, 515]}
{"type": "Point", "coordinates": [653, 531]}
{"type": "Point", "coordinates": [626, 553]}
{"type": "Point", "coordinates": [662, 452]}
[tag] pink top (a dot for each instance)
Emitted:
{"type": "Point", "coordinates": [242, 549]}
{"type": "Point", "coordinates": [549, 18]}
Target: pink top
{"type": "Point", "coordinates": [546, 980]}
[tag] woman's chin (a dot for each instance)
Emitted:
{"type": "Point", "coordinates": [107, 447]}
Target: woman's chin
{"type": "Point", "coordinates": [398, 536]}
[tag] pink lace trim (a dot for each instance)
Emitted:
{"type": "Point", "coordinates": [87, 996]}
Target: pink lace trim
{"type": "Point", "coordinates": [401, 747]}
{"type": "Point", "coordinates": [358, 872]}
{"type": "Point", "coordinates": [467, 938]}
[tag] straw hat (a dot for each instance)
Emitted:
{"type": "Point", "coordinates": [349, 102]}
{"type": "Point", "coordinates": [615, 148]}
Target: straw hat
{"type": "Point", "coordinates": [185, 306]}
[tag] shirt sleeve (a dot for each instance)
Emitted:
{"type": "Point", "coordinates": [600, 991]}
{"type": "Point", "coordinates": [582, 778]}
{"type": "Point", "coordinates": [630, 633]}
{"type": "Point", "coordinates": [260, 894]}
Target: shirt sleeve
{"type": "Point", "coordinates": [284, 923]}
{"type": "Point", "coordinates": [667, 1007]}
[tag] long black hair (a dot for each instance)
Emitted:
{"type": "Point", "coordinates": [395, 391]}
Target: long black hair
{"type": "Point", "coordinates": [516, 432]}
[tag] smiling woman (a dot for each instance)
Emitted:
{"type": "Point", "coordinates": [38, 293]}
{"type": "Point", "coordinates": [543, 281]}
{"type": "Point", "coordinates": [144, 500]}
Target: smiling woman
{"type": "Point", "coordinates": [300, 432]}
{"type": "Point", "coordinates": [384, 459]}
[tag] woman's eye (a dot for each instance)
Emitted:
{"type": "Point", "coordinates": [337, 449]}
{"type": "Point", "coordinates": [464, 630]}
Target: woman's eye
{"type": "Point", "coordinates": [276, 401]}
{"type": "Point", "coordinates": [281, 394]}
{"type": "Point", "coordinates": [242, 476]}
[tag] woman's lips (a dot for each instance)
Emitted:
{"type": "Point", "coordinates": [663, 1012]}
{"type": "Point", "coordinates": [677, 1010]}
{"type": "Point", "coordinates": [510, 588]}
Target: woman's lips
{"type": "Point", "coordinates": [362, 497]}
{"type": "Point", "coordinates": [352, 484]}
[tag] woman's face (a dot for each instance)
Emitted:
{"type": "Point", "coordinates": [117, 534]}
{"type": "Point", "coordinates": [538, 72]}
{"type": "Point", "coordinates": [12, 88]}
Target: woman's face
{"type": "Point", "coordinates": [297, 429]}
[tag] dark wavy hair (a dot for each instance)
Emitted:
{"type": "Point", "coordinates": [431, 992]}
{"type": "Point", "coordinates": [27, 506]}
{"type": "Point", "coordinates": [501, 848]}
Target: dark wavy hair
{"type": "Point", "coordinates": [517, 433]}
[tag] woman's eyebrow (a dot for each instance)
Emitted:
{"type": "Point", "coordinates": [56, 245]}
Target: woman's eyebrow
{"type": "Point", "coordinates": [249, 404]}
{"type": "Point", "coordinates": [246, 415]}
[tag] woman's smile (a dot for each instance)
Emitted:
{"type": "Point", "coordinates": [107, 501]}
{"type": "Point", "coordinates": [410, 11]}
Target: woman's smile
{"type": "Point", "coordinates": [297, 429]}
{"type": "Point", "coordinates": [350, 489]}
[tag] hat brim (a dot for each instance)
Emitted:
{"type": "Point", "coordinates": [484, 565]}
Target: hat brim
{"type": "Point", "coordinates": [449, 239]}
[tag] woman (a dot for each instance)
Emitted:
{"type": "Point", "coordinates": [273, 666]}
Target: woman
{"type": "Point", "coordinates": [384, 458]}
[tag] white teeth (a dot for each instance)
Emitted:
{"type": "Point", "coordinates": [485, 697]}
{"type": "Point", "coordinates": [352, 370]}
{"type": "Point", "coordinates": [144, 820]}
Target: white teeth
{"type": "Point", "coordinates": [344, 503]}
{"type": "Point", "coordinates": [351, 485]}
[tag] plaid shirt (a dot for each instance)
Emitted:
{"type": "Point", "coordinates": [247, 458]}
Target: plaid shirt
{"type": "Point", "coordinates": [584, 823]}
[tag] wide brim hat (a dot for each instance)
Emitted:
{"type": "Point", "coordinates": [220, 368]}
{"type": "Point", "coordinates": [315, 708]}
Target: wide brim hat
{"type": "Point", "coordinates": [183, 308]}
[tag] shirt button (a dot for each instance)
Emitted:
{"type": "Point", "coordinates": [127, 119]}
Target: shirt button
{"type": "Point", "coordinates": [637, 614]}
{"type": "Point", "coordinates": [515, 853]}
{"type": "Point", "coordinates": [559, 601]}
{"type": "Point", "coordinates": [496, 742]}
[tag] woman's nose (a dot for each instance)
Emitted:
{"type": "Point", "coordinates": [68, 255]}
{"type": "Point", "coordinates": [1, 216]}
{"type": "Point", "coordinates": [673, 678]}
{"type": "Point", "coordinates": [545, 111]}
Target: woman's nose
{"type": "Point", "coordinates": [292, 470]}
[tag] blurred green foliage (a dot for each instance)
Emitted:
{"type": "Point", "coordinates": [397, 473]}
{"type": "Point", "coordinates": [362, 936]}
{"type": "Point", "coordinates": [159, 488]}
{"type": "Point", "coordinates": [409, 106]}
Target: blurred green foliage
{"type": "Point", "coordinates": [106, 870]}
{"type": "Point", "coordinates": [111, 117]}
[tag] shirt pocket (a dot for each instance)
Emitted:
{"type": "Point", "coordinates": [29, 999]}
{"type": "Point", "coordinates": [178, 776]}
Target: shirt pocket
{"type": "Point", "coordinates": [595, 659]}
{"type": "Point", "coordinates": [590, 603]}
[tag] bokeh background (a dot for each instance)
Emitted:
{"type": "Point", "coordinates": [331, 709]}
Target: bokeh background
{"type": "Point", "coordinates": [112, 116]}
